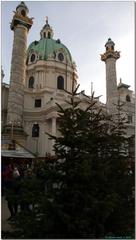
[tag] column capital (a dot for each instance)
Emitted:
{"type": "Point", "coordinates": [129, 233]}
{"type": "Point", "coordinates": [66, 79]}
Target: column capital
{"type": "Point", "coordinates": [110, 54]}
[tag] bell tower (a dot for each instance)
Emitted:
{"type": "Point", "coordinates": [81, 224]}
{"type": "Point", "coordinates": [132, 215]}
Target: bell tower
{"type": "Point", "coordinates": [109, 57]}
{"type": "Point", "coordinates": [20, 25]}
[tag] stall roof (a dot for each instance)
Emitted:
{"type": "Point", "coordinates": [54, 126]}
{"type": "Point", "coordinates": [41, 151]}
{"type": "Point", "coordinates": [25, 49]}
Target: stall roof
{"type": "Point", "coordinates": [13, 149]}
{"type": "Point", "coordinates": [16, 154]}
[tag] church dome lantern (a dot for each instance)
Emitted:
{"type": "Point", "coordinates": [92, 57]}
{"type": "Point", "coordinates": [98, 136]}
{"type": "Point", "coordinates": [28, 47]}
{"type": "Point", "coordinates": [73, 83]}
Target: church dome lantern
{"type": "Point", "coordinates": [47, 31]}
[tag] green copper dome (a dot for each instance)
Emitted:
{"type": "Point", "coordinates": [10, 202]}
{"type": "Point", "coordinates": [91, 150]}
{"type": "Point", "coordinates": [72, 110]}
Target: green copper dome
{"type": "Point", "coordinates": [48, 47]}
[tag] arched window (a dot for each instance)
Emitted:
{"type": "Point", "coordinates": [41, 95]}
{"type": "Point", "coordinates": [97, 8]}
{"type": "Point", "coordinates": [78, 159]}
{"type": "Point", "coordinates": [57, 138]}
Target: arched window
{"type": "Point", "coordinates": [35, 130]}
{"type": "Point", "coordinates": [44, 34]}
{"type": "Point", "coordinates": [107, 48]}
{"type": "Point", "coordinates": [60, 82]}
{"type": "Point", "coordinates": [31, 82]}
{"type": "Point", "coordinates": [49, 35]}
{"type": "Point", "coordinates": [60, 57]}
{"type": "Point", "coordinates": [128, 98]}
{"type": "Point", "coordinates": [23, 13]}
{"type": "Point", "coordinates": [112, 47]}
{"type": "Point", "coordinates": [33, 57]}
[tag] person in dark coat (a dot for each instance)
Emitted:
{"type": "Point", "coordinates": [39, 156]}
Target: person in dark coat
{"type": "Point", "coordinates": [12, 190]}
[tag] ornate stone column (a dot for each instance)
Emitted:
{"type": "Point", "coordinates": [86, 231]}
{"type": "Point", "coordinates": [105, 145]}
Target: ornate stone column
{"type": "Point", "coordinates": [20, 24]}
{"type": "Point", "coordinates": [110, 57]}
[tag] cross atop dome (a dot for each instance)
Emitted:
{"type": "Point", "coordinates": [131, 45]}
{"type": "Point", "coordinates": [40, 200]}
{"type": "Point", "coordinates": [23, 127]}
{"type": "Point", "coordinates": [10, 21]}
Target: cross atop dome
{"type": "Point", "coordinates": [46, 19]}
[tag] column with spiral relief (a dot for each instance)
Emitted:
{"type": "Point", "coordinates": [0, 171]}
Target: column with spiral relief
{"type": "Point", "coordinates": [20, 25]}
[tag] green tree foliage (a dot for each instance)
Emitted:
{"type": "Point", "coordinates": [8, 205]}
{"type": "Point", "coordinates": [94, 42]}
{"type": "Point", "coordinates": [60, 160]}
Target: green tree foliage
{"type": "Point", "coordinates": [87, 190]}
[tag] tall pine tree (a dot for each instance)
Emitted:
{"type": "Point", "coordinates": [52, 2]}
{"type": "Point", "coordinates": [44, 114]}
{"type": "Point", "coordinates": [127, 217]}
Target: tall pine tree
{"type": "Point", "coordinates": [88, 186]}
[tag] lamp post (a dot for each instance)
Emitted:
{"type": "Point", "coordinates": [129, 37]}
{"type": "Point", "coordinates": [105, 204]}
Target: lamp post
{"type": "Point", "coordinates": [37, 153]}
{"type": "Point", "coordinates": [36, 146]}
{"type": "Point", "coordinates": [13, 123]}
{"type": "Point", "coordinates": [12, 129]}
{"type": "Point", "coordinates": [36, 136]}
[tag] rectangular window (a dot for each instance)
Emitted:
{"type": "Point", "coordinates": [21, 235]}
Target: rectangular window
{"type": "Point", "coordinates": [37, 102]}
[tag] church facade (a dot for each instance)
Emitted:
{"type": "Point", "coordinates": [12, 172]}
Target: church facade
{"type": "Point", "coordinates": [39, 76]}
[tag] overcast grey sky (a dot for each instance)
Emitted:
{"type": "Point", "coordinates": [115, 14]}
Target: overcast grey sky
{"type": "Point", "coordinates": [84, 28]}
